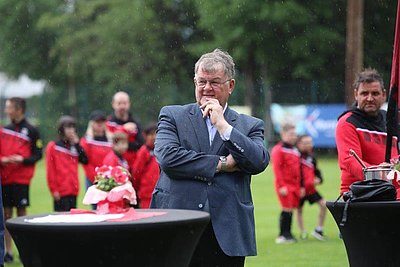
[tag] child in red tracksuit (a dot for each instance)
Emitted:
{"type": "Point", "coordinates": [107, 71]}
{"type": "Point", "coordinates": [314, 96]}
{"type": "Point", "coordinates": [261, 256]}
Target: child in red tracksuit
{"type": "Point", "coordinates": [286, 167]}
{"type": "Point", "coordinates": [62, 159]}
{"type": "Point", "coordinates": [119, 147]}
{"type": "Point", "coordinates": [312, 176]}
{"type": "Point", "coordinates": [96, 144]}
{"type": "Point", "coordinates": [145, 169]}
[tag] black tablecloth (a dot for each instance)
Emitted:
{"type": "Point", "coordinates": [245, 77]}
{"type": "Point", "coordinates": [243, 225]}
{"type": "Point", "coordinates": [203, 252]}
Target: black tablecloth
{"type": "Point", "coordinates": [371, 233]}
{"type": "Point", "coordinates": [166, 240]}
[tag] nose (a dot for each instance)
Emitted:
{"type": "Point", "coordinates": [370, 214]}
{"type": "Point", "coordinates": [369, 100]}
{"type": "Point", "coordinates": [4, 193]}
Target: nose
{"type": "Point", "coordinates": [370, 97]}
{"type": "Point", "coordinates": [208, 85]}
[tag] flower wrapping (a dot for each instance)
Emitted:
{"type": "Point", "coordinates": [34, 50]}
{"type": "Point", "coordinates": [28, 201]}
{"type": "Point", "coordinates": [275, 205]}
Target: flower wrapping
{"type": "Point", "coordinates": [112, 190]}
{"type": "Point", "coordinates": [394, 173]}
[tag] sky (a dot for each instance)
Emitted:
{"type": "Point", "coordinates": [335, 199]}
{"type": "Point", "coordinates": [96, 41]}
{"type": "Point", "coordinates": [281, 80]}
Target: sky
{"type": "Point", "coordinates": [23, 87]}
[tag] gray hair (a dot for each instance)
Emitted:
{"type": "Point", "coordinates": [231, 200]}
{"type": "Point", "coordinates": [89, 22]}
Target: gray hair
{"type": "Point", "coordinates": [368, 75]}
{"type": "Point", "coordinates": [211, 61]}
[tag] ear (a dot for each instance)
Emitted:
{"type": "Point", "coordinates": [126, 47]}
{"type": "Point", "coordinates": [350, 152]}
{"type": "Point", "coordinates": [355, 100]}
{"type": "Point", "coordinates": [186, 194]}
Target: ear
{"type": "Point", "coordinates": [232, 86]}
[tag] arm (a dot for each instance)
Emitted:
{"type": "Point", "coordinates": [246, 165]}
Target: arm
{"type": "Point", "coordinates": [346, 139]}
{"type": "Point", "coordinates": [142, 158]}
{"type": "Point", "coordinates": [82, 158]}
{"type": "Point", "coordinates": [277, 167]}
{"type": "Point", "coordinates": [89, 167]}
{"type": "Point", "coordinates": [36, 148]}
{"type": "Point", "coordinates": [174, 159]}
{"type": "Point", "coordinates": [248, 150]}
{"type": "Point", "coordinates": [317, 172]}
{"type": "Point", "coordinates": [51, 170]}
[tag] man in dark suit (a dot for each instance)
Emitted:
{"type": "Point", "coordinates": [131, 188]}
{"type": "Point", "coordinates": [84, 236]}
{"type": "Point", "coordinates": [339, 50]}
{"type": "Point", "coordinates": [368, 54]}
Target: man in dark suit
{"type": "Point", "coordinates": [207, 153]}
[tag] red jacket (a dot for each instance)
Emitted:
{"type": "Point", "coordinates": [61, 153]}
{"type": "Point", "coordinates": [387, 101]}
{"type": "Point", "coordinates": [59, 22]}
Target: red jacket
{"type": "Point", "coordinates": [145, 175]}
{"type": "Point", "coordinates": [22, 139]}
{"type": "Point", "coordinates": [113, 160]}
{"type": "Point", "coordinates": [96, 150]}
{"type": "Point", "coordinates": [286, 167]}
{"type": "Point", "coordinates": [308, 170]}
{"type": "Point", "coordinates": [367, 137]}
{"type": "Point", "coordinates": [62, 167]}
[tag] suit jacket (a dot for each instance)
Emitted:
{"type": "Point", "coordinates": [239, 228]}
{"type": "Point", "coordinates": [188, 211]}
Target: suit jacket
{"type": "Point", "coordinates": [188, 172]}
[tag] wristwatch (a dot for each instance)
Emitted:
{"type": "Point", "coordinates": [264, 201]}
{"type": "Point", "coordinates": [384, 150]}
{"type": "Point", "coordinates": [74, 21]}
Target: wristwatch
{"type": "Point", "coordinates": [223, 163]}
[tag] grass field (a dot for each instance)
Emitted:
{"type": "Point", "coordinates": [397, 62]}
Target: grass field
{"type": "Point", "coordinates": [308, 253]}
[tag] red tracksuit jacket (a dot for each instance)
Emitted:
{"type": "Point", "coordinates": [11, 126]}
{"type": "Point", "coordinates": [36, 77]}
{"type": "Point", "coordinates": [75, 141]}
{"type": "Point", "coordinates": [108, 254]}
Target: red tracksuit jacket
{"type": "Point", "coordinates": [145, 174]}
{"type": "Point", "coordinates": [22, 139]}
{"type": "Point", "coordinates": [96, 150]}
{"type": "Point", "coordinates": [367, 137]}
{"type": "Point", "coordinates": [62, 167]}
{"type": "Point", "coordinates": [284, 158]}
{"type": "Point", "coordinates": [309, 172]}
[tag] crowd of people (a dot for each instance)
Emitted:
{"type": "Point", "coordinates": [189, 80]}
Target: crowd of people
{"type": "Point", "coordinates": [115, 140]}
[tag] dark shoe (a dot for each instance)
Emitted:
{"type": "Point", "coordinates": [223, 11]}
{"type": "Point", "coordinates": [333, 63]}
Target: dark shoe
{"type": "Point", "coordinates": [8, 258]}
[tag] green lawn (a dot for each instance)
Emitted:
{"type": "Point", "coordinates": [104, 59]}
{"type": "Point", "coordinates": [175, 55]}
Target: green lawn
{"type": "Point", "coordinates": [307, 253]}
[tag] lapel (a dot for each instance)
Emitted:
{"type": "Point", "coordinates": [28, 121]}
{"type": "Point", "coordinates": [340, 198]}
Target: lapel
{"type": "Point", "coordinates": [230, 117]}
{"type": "Point", "coordinates": [200, 128]}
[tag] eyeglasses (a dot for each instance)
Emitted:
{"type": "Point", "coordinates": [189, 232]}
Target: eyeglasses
{"type": "Point", "coordinates": [213, 84]}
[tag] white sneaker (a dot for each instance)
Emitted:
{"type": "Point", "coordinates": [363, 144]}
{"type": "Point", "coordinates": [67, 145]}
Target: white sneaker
{"type": "Point", "coordinates": [284, 240]}
{"type": "Point", "coordinates": [318, 235]}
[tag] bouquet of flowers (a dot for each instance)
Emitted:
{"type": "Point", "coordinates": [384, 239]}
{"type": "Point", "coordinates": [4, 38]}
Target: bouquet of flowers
{"type": "Point", "coordinates": [394, 173]}
{"type": "Point", "coordinates": [112, 190]}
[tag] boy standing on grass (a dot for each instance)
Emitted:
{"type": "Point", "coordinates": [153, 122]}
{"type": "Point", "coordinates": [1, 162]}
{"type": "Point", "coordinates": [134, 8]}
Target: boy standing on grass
{"type": "Point", "coordinates": [286, 167]}
{"type": "Point", "coordinates": [62, 159]}
{"type": "Point", "coordinates": [312, 176]}
{"type": "Point", "coordinates": [20, 150]}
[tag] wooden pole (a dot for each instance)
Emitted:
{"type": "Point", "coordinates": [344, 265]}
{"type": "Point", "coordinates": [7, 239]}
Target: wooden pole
{"type": "Point", "coordinates": [354, 45]}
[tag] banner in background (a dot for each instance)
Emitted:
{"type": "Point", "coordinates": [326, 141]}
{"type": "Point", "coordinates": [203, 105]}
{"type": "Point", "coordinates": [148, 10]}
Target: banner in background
{"type": "Point", "coordinates": [318, 121]}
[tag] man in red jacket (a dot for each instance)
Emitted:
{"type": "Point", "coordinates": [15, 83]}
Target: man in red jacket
{"type": "Point", "coordinates": [363, 129]}
{"type": "Point", "coordinates": [20, 149]}
{"type": "Point", "coordinates": [122, 121]}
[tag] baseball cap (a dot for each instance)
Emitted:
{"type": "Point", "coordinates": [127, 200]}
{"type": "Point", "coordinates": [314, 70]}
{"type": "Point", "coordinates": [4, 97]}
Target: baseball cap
{"type": "Point", "coordinates": [97, 115]}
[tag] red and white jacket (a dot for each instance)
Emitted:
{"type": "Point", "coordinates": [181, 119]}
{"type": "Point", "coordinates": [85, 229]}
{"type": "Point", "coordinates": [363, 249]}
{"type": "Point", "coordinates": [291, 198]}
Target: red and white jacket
{"type": "Point", "coordinates": [114, 160]}
{"type": "Point", "coordinates": [135, 139]}
{"type": "Point", "coordinates": [20, 139]}
{"type": "Point", "coordinates": [62, 162]}
{"type": "Point", "coordinates": [310, 172]}
{"type": "Point", "coordinates": [145, 174]}
{"type": "Point", "coordinates": [96, 150]}
{"type": "Point", "coordinates": [286, 167]}
{"type": "Point", "coordinates": [367, 137]}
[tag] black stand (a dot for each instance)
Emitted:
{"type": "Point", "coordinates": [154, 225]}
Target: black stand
{"type": "Point", "coordinates": [166, 240]}
{"type": "Point", "coordinates": [372, 232]}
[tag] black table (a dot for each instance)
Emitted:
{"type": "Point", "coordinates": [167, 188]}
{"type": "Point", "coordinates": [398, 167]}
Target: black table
{"type": "Point", "coordinates": [166, 240]}
{"type": "Point", "coordinates": [371, 233]}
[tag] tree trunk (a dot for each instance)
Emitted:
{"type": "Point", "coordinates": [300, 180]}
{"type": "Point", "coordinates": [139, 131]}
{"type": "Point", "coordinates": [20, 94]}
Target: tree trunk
{"type": "Point", "coordinates": [354, 45]}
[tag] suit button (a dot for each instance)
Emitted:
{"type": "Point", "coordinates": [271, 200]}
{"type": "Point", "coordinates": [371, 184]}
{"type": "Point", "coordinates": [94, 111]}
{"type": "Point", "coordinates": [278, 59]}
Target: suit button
{"type": "Point", "coordinates": [209, 183]}
{"type": "Point", "coordinates": [200, 205]}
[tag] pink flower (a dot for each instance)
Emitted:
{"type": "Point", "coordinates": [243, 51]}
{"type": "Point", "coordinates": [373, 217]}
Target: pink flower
{"type": "Point", "coordinates": [112, 190]}
{"type": "Point", "coordinates": [120, 175]}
